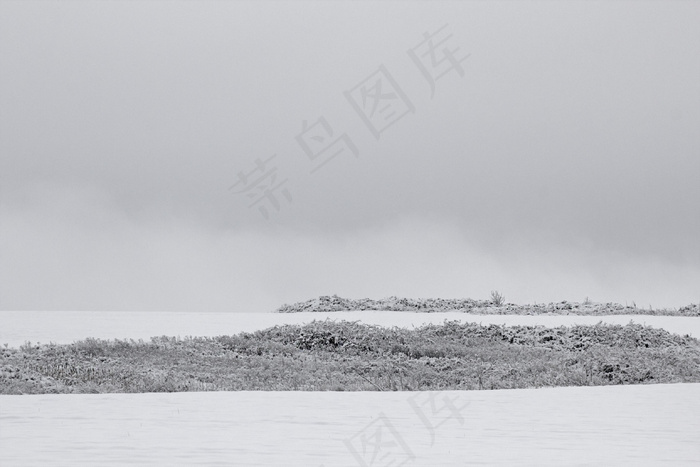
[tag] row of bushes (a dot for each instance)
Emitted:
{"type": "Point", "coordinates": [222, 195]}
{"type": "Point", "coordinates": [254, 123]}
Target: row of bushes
{"type": "Point", "coordinates": [328, 355]}
{"type": "Point", "coordinates": [453, 337]}
{"type": "Point", "coordinates": [496, 305]}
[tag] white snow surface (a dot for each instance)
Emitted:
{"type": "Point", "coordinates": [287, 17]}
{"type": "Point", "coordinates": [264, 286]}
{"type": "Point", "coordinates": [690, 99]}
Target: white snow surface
{"type": "Point", "coordinates": [65, 327]}
{"type": "Point", "coordinates": [610, 425]}
{"type": "Point", "coordinates": [606, 425]}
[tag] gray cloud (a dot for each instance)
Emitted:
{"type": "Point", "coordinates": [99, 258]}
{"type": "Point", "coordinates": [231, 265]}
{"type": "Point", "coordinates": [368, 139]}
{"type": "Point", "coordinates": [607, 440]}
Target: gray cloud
{"type": "Point", "coordinates": [563, 164]}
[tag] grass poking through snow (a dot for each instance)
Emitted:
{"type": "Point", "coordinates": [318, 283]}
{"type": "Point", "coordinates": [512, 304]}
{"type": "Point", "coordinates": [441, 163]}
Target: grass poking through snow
{"type": "Point", "coordinates": [336, 356]}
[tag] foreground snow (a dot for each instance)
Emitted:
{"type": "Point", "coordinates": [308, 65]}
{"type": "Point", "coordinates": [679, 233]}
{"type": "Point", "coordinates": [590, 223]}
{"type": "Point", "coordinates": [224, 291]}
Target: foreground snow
{"type": "Point", "coordinates": [613, 425]}
{"type": "Point", "coordinates": [64, 327]}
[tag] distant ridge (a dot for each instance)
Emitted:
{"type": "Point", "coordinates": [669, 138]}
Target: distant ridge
{"type": "Point", "coordinates": [479, 307]}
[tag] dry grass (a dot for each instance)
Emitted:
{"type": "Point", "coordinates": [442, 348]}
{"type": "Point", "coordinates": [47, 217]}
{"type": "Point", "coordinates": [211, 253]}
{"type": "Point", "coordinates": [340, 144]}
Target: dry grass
{"type": "Point", "coordinates": [328, 355]}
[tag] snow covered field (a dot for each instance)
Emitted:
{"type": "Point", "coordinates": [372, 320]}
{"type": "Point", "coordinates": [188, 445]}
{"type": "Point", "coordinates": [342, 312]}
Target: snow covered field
{"type": "Point", "coordinates": [64, 327]}
{"type": "Point", "coordinates": [613, 425]}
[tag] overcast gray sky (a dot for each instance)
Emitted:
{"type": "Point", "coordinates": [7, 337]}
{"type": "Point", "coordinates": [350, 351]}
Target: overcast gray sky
{"type": "Point", "coordinates": [556, 157]}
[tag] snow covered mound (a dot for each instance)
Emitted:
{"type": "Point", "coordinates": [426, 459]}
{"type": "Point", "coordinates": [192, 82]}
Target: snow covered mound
{"type": "Point", "coordinates": [480, 307]}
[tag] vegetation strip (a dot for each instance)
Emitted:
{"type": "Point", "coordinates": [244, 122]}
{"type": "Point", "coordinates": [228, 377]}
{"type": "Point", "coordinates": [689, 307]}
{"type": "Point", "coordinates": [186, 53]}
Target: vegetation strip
{"type": "Point", "coordinates": [495, 306]}
{"type": "Point", "coordinates": [330, 355]}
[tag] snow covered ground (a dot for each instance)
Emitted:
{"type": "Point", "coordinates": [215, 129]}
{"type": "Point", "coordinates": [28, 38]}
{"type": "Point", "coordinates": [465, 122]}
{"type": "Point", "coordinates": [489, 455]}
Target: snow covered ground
{"type": "Point", "coordinates": [611, 425]}
{"type": "Point", "coordinates": [64, 327]}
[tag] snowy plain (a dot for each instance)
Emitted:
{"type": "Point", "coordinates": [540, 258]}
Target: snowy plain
{"type": "Point", "coordinates": [610, 425]}
{"type": "Point", "coordinates": [613, 425]}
